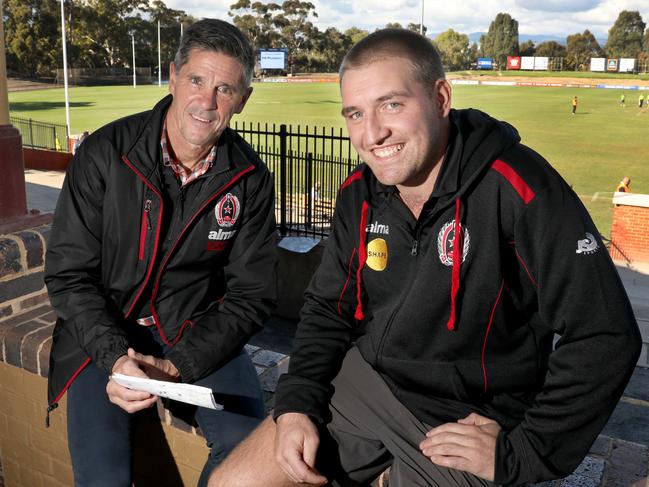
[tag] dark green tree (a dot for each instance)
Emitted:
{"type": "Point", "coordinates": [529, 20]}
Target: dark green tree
{"type": "Point", "coordinates": [393, 25]}
{"type": "Point", "coordinates": [415, 27]}
{"type": "Point", "coordinates": [527, 48]}
{"type": "Point", "coordinates": [501, 40]}
{"type": "Point", "coordinates": [550, 49]}
{"type": "Point", "coordinates": [32, 37]}
{"type": "Point", "coordinates": [580, 48]}
{"type": "Point", "coordinates": [297, 31]}
{"type": "Point", "coordinates": [625, 37]}
{"type": "Point", "coordinates": [258, 21]}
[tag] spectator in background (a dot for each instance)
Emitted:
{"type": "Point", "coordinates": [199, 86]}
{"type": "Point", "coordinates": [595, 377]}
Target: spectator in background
{"type": "Point", "coordinates": [574, 105]}
{"type": "Point", "coordinates": [79, 141]}
{"type": "Point", "coordinates": [624, 186]}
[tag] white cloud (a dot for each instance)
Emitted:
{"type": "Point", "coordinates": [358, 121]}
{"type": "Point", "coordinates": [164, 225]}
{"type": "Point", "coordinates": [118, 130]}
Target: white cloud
{"type": "Point", "coordinates": [552, 17]}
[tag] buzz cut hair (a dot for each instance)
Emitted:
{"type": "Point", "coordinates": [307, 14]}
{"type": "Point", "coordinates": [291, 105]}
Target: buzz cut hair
{"type": "Point", "coordinates": [396, 43]}
{"type": "Point", "coordinates": [217, 36]}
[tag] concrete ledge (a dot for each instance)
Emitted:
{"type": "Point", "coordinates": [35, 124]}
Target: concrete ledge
{"type": "Point", "coordinates": [33, 455]}
{"type": "Point", "coordinates": [631, 199]}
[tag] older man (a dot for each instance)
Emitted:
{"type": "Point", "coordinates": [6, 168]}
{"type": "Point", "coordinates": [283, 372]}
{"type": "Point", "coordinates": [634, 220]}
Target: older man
{"type": "Point", "coordinates": [161, 261]}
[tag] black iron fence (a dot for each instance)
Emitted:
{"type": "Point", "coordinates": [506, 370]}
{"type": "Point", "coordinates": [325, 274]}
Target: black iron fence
{"type": "Point", "coordinates": [41, 135]}
{"type": "Point", "coordinates": [308, 166]}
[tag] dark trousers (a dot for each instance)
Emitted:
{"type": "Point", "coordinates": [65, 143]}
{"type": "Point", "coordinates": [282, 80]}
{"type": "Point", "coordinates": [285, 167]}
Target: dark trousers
{"type": "Point", "coordinates": [371, 430]}
{"type": "Point", "coordinates": [99, 432]}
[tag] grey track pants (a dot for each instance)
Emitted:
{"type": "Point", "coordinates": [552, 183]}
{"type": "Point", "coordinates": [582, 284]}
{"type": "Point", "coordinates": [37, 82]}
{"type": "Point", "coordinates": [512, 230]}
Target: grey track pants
{"type": "Point", "coordinates": [372, 430]}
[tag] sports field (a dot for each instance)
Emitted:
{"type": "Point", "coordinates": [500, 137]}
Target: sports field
{"type": "Point", "coordinates": [593, 150]}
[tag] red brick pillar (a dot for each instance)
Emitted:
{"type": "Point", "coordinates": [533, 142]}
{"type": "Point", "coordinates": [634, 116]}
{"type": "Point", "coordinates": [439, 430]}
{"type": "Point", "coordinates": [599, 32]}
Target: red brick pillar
{"type": "Point", "coordinates": [13, 202]}
{"type": "Point", "coordinates": [630, 229]}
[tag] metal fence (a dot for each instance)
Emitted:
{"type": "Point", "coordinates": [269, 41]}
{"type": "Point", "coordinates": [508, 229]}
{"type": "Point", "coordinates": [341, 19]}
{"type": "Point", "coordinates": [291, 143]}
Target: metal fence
{"type": "Point", "coordinates": [41, 135]}
{"type": "Point", "coordinates": [308, 166]}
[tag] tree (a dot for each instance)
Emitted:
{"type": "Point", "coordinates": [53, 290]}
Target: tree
{"type": "Point", "coordinates": [501, 40]}
{"type": "Point", "coordinates": [625, 37]}
{"type": "Point", "coordinates": [393, 25]}
{"type": "Point", "coordinates": [32, 36]}
{"type": "Point", "coordinates": [257, 21]}
{"type": "Point", "coordinates": [415, 28]}
{"type": "Point", "coordinates": [527, 48]}
{"type": "Point", "coordinates": [550, 49]}
{"type": "Point", "coordinates": [580, 48]}
{"type": "Point", "coordinates": [297, 31]}
{"type": "Point", "coordinates": [356, 34]}
{"type": "Point", "coordinates": [454, 50]}
{"type": "Point", "coordinates": [328, 50]}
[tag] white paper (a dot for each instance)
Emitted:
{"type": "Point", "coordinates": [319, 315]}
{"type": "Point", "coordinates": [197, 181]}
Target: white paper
{"type": "Point", "coordinates": [191, 394]}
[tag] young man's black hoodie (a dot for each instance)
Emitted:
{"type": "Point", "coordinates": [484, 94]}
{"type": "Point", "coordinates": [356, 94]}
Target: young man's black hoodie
{"type": "Point", "coordinates": [473, 331]}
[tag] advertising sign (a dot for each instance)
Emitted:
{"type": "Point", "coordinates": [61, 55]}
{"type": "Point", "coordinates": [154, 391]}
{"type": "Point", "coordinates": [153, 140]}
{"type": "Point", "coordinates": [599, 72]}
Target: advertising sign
{"type": "Point", "coordinates": [513, 62]}
{"type": "Point", "coordinates": [527, 62]}
{"type": "Point", "coordinates": [611, 65]}
{"type": "Point", "coordinates": [541, 63]}
{"type": "Point", "coordinates": [627, 65]}
{"type": "Point", "coordinates": [273, 58]}
{"type": "Point", "coordinates": [485, 63]}
{"type": "Point", "coordinates": [598, 64]}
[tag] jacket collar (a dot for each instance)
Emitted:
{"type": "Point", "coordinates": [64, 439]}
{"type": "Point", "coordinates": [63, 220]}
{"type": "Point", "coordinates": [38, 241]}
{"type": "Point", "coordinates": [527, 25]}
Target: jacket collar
{"type": "Point", "coordinates": [145, 152]}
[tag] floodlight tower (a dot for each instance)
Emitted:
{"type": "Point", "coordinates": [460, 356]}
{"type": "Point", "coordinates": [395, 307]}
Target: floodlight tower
{"type": "Point", "coordinates": [133, 44]}
{"type": "Point", "coordinates": [421, 26]}
{"type": "Point", "coordinates": [65, 70]}
{"type": "Point", "coordinates": [159, 61]}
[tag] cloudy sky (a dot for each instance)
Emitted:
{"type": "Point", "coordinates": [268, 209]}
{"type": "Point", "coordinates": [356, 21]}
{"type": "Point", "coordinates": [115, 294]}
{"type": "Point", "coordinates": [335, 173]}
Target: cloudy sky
{"type": "Point", "coordinates": [550, 17]}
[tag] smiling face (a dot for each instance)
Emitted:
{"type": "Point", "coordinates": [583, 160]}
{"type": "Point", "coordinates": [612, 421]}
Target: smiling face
{"type": "Point", "coordinates": [207, 91]}
{"type": "Point", "coordinates": [398, 125]}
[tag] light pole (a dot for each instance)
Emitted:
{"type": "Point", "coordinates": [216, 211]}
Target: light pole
{"type": "Point", "coordinates": [133, 44]}
{"type": "Point", "coordinates": [65, 70]}
{"type": "Point", "coordinates": [159, 62]}
{"type": "Point", "coordinates": [421, 26]}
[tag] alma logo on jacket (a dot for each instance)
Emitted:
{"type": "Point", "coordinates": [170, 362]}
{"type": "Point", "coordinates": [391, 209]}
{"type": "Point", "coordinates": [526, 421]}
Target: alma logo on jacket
{"type": "Point", "coordinates": [227, 210]}
{"type": "Point", "coordinates": [446, 242]}
{"type": "Point", "coordinates": [377, 227]}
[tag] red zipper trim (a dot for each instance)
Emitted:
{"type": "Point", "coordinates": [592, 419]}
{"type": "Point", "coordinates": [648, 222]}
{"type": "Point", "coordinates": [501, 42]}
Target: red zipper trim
{"type": "Point", "coordinates": [157, 234]}
{"type": "Point", "coordinates": [143, 229]}
{"type": "Point", "coordinates": [484, 344]}
{"type": "Point", "coordinates": [349, 275]}
{"type": "Point", "coordinates": [173, 248]}
{"type": "Point", "coordinates": [69, 383]}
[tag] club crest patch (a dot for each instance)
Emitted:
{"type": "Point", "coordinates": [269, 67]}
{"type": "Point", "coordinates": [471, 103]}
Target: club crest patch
{"type": "Point", "coordinates": [445, 241]}
{"type": "Point", "coordinates": [227, 210]}
{"type": "Point", "coordinates": [588, 245]}
{"type": "Point", "coordinates": [377, 254]}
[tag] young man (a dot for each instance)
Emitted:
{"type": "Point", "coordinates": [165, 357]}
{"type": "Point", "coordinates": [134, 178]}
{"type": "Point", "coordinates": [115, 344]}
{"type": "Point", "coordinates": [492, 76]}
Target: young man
{"type": "Point", "coordinates": [161, 261]}
{"type": "Point", "coordinates": [426, 342]}
{"type": "Point", "coordinates": [574, 105]}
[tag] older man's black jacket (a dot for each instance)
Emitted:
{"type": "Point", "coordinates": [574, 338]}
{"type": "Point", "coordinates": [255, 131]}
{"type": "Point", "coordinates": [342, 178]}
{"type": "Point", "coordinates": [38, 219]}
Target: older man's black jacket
{"type": "Point", "coordinates": [209, 280]}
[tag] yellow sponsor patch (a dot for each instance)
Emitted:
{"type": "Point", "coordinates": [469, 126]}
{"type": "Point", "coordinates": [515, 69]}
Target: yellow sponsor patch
{"type": "Point", "coordinates": [377, 254]}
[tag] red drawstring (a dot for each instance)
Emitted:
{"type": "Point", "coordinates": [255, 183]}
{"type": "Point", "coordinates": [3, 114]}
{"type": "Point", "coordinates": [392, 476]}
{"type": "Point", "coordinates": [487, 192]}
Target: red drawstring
{"type": "Point", "coordinates": [362, 257]}
{"type": "Point", "coordinates": [458, 251]}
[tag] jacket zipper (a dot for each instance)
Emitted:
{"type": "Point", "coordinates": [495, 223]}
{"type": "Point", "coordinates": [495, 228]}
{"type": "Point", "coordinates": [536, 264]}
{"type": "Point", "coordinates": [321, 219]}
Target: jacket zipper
{"type": "Point", "coordinates": [156, 286]}
{"type": "Point", "coordinates": [146, 225]}
{"type": "Point", "coordinates": [157, 235]}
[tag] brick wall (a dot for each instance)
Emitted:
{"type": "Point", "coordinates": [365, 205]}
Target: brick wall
{"type": "Point", "coordinates": [168, 450]}
{"type": "Point", "coordinates": [21, 270]}
{"type": "Point", "coordinates": [630, 228]}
